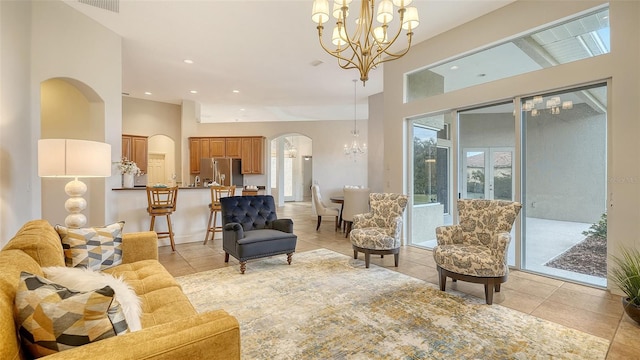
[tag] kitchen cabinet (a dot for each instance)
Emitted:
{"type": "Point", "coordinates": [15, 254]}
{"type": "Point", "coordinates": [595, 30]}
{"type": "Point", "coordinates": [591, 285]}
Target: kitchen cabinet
{"type": "Point", "coordinates": [234, 147]}
{"type": "Point", "coordinates": [194, 155]}
{"type": "Point", "coordinates": [134, 148]}
{"type": "Point", "coordinates": [205, 150]}
{"type": "Point", "coordinates": [217, 147]}
{"type": "Point", "coordinates": [249, 149]}
{"type": "Point", "coordinates": [252, 155]}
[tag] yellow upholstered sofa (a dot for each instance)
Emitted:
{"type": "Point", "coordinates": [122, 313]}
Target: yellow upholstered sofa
{"type": "Point", "coordinates": [171, 328]}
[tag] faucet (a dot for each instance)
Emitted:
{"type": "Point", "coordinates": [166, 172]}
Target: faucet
{"type": "Point", "coordinates": [197, 181]}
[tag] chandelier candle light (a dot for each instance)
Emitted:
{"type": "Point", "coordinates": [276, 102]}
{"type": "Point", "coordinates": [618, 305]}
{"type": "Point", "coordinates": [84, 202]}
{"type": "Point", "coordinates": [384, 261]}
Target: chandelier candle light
{"type": "Point", "coordinates": [355, 148]}
{"type": "Point", "coordinates": [365, 46]}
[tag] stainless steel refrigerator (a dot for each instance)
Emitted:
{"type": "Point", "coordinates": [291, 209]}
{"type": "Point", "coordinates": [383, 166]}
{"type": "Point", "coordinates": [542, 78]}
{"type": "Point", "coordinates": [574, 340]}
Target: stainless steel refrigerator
{"type": "Point", "coordinates": [224, 171]}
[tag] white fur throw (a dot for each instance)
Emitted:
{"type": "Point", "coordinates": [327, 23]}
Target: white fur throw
{"type": "Point", "coordinates": [81, 279]}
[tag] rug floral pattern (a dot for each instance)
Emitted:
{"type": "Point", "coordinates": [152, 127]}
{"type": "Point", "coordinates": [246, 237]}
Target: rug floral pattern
{"type": "Point", "coordinates": [326, 305]}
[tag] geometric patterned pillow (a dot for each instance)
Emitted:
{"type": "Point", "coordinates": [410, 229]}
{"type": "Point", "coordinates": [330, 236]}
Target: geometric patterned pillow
{"type": "Point", "coordinates": [52, 318]}
{"type": "Point", "coordinates": [95, 248]}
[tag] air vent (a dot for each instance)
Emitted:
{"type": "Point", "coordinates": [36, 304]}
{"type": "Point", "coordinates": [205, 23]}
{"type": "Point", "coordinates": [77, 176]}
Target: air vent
{"type": "Point", "coordinates": [111, 5]}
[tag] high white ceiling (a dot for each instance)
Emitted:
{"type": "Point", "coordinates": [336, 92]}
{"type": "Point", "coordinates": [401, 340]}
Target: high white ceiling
{"type": "Point", "coordinates": [264, 49]}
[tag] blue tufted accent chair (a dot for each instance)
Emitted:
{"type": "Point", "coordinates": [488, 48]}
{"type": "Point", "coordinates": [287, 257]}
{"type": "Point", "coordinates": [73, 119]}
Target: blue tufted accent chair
{"type": "Point", "coordinates": [251, 229]}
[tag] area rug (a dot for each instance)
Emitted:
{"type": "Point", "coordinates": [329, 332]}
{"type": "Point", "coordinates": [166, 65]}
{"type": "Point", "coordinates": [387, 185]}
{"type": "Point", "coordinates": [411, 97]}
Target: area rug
{"type": "Point", "coordinates": [326, 305]}
{"type": "Point", "coordinates": [589, 257]}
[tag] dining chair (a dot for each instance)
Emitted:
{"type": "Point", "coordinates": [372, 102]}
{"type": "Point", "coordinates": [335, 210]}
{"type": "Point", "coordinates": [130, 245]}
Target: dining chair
{"type": "Point", "coordinates": [356, 201]}
{"type": "Point", "coordinates": [217, 192]}
{"type": "Point", "coordinates": [161, 201]}
{"type": "Point", "coordinates": [320, 209]}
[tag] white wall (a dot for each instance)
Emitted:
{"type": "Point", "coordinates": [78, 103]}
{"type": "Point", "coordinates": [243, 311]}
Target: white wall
{"type": "Point", "coordinates": [375, 143]}
{"type": "Point", "coordinates": [68, 44]}
{"type": "Point", "coordinates": [16, 172]}
{"type": "Point", "coordinates": [42, 40]}
{"type": "Point", "coordinates": [623, 106]}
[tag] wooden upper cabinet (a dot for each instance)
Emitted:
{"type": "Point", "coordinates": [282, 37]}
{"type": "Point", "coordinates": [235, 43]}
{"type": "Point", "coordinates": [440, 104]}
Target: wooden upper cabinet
{"type": "Point", "coordinates": [134, 148]}
{"type": "Point", "coordinates": [205, 148]}
{"type": "Point", "coordinates": [234, 147]}
{"type": "Point", "coordinates": [257, 156]}
{"type": "Point", "coordinates": [194, 155]}
{"type": "Point", "coordinates": [217, 147]}
{"type": "Point", "coordinates": [252, 155]}
{"type": "Point", "coordinates": [249, 149]}
{"type": "Point", "coordinates": [246, 156]}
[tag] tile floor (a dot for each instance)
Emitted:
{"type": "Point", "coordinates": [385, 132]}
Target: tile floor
{"type": "Point", "coordinates": [587, 309]}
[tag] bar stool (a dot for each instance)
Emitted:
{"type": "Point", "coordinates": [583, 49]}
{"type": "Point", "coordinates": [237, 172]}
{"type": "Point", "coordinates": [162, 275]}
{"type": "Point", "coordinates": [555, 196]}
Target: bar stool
{"type": "Point", "coordinates": [217, 192]}
{"type": "Point", "coordinates": [161, 201]}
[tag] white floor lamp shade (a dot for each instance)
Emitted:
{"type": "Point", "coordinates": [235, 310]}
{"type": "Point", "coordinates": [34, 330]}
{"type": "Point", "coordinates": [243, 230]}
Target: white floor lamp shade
{"type": "Point", "coordinates": [70, 158]}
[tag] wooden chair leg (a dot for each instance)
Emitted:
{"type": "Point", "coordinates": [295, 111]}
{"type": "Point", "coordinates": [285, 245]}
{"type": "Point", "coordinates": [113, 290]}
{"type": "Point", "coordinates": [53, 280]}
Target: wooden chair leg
{"type": "Point", "coordinates": [173, 244]}
{"type": "Point", "coordinates": [337, 224]}
{"type": "Point", "coordinates": [215, 222]}
{"type": "Point", "coordinates": [243, 267]}
{"type": "Point", "coordinates": [319, 221]}
{"type": "Point", "coordinates": [367, 257]}
{"type": "Point", "coordinates": [442, 279]}
{"type": "Point", "coordinates": [396, 257]}
{"type": "Point", "coordinates": [206, 236]}
{"type": "Point", "coordinates": [488, 292]}
{"type": "Point", "coordinates": [153, 222]}
{"type": "Point", "coordinates": [355, 254]}
{"type": "Point", "coordinates": [346, 234]}
{"type": "Point", "coordinates": [226, 257]}
{"type": "Point", "coordinates": [289, 255]}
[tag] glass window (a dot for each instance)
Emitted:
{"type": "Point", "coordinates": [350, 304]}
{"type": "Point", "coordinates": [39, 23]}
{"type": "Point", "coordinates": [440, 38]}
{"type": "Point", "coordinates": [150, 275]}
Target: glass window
{"type": "Point", "coordinates": [584, 37]}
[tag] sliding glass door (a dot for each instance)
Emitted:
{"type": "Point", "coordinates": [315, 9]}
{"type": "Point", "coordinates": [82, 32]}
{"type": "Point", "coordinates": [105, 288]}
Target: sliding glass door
{"type": "Point", "coordinates": [430, 154]}
{"type": "Point", "coordinates": [487, 140]}
{"type": "Point", "coordinates": [565, 183]}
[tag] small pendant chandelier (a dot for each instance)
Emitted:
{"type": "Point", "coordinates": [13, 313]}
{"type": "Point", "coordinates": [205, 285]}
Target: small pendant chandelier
{"type": "Point", "coordinates": [365, 46]}
{"type": "Point", "coordinates": [355, 148]}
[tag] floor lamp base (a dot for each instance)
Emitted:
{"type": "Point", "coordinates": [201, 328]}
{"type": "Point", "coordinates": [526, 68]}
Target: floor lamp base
{"type": "Point", "coordinates": [75, 204]}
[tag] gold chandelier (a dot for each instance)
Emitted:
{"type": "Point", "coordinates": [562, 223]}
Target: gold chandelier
{"type": "Point", "coordinates": [365, 46]}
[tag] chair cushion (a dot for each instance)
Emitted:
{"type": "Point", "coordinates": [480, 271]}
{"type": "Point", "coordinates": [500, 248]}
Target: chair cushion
{"type": "Point", "coordinates": [52, 318]}
{"type": "Point", "coordinates": [95, 248]}
{"type": "Point", "coordinates": [472, 260]}
{"type": "Point", "coordinates": [373, 238]}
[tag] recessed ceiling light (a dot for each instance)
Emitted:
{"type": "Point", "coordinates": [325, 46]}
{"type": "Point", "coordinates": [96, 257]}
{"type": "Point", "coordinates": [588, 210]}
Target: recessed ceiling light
{"type": "Point", "coordinates": [193, 91]}
{"type": "Point", "coordinates": [454, 67]}
{"type": "Point", "coordinates": [241, 109]}
{"type": "Point", "coordinates": [236, 91]}
{"type": "Point", "coordinates": [188, 61]}
{"type": "Point", "coordinates": [147, 93]}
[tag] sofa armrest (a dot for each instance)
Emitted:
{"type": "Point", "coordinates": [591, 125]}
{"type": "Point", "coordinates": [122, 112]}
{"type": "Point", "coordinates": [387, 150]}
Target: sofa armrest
{"type": "Point", "coordinates": [284, 225]}
{"type": "Point", "coordinates": [234, 230]}
{"type": "Point", "coordinates": [211, 335]}
{"type": "Point", "coordinates": [139, 246]}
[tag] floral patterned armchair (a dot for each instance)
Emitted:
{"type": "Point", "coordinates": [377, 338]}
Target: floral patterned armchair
{"type": "Point", "coordinates": [476, 249]}
{"type": "Point", "coordinates": [378, 231]}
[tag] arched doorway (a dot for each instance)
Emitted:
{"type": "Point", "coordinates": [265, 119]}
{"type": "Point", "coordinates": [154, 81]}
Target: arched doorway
{"type": "Point", "coordinates": [291, 168]}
